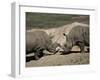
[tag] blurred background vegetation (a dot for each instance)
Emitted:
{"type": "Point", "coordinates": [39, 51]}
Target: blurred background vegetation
{"type": "Point", "coordinates": [48, 20]}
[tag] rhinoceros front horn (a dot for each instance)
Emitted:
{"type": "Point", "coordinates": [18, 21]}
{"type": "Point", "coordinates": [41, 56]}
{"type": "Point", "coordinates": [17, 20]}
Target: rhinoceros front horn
{"type": "Point", "coordinates": [47, 52]}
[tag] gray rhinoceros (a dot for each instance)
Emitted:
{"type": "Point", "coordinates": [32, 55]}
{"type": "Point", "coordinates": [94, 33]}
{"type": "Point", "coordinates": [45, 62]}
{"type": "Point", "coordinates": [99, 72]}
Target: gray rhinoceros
{"type": "Point", "coordinates": [38, 41]}
{"type": "Point", "coordinates": [77, 36]}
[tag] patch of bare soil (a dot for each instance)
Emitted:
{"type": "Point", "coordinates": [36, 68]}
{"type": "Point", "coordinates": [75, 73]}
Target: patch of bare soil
{"type": "Point", "coordinates": [74, 58]}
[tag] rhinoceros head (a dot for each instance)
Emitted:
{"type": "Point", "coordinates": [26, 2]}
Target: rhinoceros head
{"type": "Point", "coordinates": [68, 45]}
{"type": "Point", "coordinates": [53, 47]}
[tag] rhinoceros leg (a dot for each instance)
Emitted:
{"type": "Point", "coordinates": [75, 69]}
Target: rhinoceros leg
{"type": "Point", "coordinates": [81, 45]}
{"type": "Point", "coordinates": [36, 56]}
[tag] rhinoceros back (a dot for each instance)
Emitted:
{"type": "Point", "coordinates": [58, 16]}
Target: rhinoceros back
{"type": "Point", "coordinates": [80, 33]}
{"type": "Point", "coordinates": [37, 40]}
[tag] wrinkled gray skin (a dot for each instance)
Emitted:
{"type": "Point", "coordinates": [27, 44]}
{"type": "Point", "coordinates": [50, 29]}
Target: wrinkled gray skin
{"type": "Point", "coordinates": [38, 41]}
{"type": "Point", "coordinates": [77, 36]}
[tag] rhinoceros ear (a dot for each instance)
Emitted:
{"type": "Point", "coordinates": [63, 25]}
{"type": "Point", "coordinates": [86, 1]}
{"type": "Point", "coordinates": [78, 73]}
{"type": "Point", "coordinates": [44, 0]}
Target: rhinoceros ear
{"type": "Point", "coordinates": [64, 34]}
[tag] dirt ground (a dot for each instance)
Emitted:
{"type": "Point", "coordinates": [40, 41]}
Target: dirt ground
{"type": "Point", "coordinates": [74, 58]}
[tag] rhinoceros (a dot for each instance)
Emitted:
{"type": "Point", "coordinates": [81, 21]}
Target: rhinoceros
{"type": "Point", "coordinates": [78, 36]}
{"type": "Point", "coordinates": [38, 41]}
